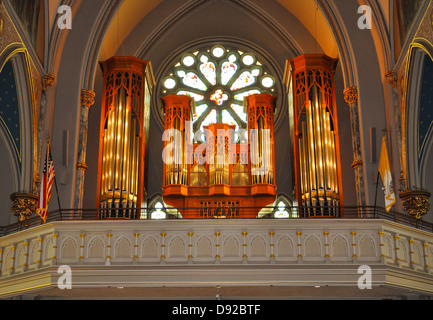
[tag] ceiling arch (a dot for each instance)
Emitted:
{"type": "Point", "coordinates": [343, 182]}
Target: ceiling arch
{"type": "Point", "coordinates": [274, 15]}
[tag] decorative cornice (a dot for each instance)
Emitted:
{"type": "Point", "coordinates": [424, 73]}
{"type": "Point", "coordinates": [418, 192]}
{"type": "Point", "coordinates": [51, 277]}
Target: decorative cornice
{"type": "Point", "coordinates": [87, 98]}
{"type": "Point", "coordinates": [391, 78]}
{"type": "Point", "coordinates": [48, 81]}
{"type": "Point", "coordinates": [351, 95]}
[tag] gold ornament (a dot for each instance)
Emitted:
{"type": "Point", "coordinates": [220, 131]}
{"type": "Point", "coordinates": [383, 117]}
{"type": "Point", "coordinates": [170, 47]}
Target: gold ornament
{"type": "Point", "coordinates": [416, 202]}
{"type": "Point", "coordinates": [351, 95]}
{"type": "Point", "coordinates": [23, 205]}
{"type": "Point", "coordinates": [87, 98]}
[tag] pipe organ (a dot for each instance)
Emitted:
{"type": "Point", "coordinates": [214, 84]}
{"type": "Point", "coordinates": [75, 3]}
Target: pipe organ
{"type": "Point", "coordinates": [128, 82]}
{"type": "Point", "coordinates": [316, 148]}
{"type": "Point", "coordinates": [219, 178]}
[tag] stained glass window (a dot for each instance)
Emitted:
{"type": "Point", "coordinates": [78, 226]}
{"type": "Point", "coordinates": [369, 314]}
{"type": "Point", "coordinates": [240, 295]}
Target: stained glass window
{"type": "Point", "coordinates": [218, 78]}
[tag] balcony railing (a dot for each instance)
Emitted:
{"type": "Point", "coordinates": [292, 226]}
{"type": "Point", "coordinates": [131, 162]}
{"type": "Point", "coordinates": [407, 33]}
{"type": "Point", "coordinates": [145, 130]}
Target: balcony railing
{"type": "Point", "coordinates": [364, 212]}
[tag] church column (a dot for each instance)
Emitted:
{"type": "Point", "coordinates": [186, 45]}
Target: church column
{"type": "Point", "coordinates": [87, 100]}
{"type": "Point", "coordinates": [391, 79]}
{"type": "Point", "coordinates": [351, 97]}
{"type": "Point", "coordinates": [47, 82]}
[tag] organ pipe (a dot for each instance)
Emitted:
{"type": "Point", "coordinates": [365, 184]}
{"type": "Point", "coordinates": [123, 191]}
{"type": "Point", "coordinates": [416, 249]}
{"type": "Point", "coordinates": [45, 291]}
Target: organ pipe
{"type": "Point", "coordinates": [123, 139]}
{"type": "Point", "coordinates": [317, 173]}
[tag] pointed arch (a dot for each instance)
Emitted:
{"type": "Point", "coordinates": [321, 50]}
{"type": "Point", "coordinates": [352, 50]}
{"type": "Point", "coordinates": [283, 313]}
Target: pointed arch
{"type": "Point", "coordinates": [17, 133]}
{"type": "Point", "coordinates": [416, 152]}
{"type": "Point", "coordinates": [96, 248]}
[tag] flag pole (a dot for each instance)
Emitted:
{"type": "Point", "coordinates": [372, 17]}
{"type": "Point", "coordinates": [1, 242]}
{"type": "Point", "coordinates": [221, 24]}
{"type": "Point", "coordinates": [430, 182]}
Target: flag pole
{"type": "Point", "coordinates": [375, 199]}
{"type": "Point", "coordinates": [44, 176]}
{"type": "Point", "coordinates": [58, 198]}
{"type": "Point", "coordinates": [377, 180]}
{"type": "Point", "coordinates": [57, 190]}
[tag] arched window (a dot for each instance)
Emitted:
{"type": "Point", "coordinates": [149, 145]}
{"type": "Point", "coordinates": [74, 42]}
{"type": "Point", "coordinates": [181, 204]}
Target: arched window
{"type": "Point", "coordinates": [159, 212]}
{"type": "Point", "coordinates": [218, 78]}
{"type": "Point", "coordinates": [281, 211]}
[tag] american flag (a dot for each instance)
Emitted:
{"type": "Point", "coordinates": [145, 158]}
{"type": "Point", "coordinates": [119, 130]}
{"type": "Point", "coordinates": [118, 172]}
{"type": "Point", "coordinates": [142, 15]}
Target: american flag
{"type": "Point", "coordinates": [46, 186]}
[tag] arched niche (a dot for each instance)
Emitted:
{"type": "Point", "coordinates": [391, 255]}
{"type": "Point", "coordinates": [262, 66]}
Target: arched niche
{"type": "Point", "coordinates": [418, 118]}
{"type": "Point", "coordinates": [16, 129]}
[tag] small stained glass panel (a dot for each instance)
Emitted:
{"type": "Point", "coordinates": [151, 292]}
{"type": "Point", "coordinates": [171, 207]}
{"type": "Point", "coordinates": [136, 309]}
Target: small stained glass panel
{"type": "Point", "coordinates": [228, 118]}
{"type": "Point", "coordinates": [228, 70]}
{"type": "Point", "coordinates": [246, 79]}
{"type": "Point", "coordinates": [199, 111]}
{"type": "Point", "coordinates": [248, 59]}
{"type": "Point", "coordinates": [211, 118]}
{"type": "Point", "coordinates": [190, 79]}
{"type": "Point", "coordinates": [239, 111]}
{"type": "Point", "coordinates": [219, 97]}
{"type": "Point", "coordinates": [218, 52]}
{"type": "Point", "coordinates": [188, 61]}
{"type": "Point", "coordinates": [268, 82]}
{"type": "Point", "coordinates": [170, 83]}
{"type": "Point", "coordinates": [208, 69]}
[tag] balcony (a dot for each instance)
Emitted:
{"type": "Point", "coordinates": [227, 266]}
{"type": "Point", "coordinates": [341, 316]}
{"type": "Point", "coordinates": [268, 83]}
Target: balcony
{"type": "Point", "coordinates": [263, 258]}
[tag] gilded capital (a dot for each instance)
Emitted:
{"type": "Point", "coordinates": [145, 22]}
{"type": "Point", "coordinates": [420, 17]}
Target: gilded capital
{"type": "Point", "coordinates": [351, 95]}
{"type": "Point", "coordinates": [82, 166]}
{"type": "Point", "coordinates": [47, 81]}
{"type": "Point", "coordinates": [23, 205]}
{"type": "Point", "coordinates": [356, 164]}
{"type": "Point", "coordinates": [391, 78]}
{"type": "Point", "coordinates": [87, 98]}
{"type": "Point", "coordinates": [416, 202]}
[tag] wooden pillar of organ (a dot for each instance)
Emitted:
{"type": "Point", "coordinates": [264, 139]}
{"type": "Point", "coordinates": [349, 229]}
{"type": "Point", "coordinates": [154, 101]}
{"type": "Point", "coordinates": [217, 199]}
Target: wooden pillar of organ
{"type": "Point", "coordinates": [316, 146]}
{"type": "Point", "coordinates": [128, 84]}
{"type": "Point", "coordinates": [220, 178]}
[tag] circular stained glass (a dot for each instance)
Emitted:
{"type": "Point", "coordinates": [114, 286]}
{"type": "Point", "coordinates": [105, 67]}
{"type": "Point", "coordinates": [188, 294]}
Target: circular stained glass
{"type": "Point", "coordinates": [248, 59]}
{"type": "Point", "coordinates": [268, 82]}
{"type": "Point", "coordinates": [218, 78]}
{"type": "Point", "coordinates": [218, 52]}
{"type": "Point", "coordinates": [188, 61]}
{"type": "Point", "coordinates": [169, 83]}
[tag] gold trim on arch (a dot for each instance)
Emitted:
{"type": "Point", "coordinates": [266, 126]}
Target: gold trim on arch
{"type": "Point", "coordinates": [405, 88]}
{"type": "Point", "coordinates": [28, 61]}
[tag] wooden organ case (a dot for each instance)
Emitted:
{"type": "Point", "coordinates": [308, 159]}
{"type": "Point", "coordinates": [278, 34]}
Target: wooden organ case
{"type": "Point", "coordinates": [315, 135]}
{"type": "Point", "coordinates": [128, 84]}
{"type": "Point", "coordinates": [219, 178]}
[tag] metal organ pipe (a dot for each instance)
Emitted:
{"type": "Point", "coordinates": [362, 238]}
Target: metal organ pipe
{"type": "Point", "coordinates": [121, 170]}
{"type": "Point", "coordinates": [315, 137]}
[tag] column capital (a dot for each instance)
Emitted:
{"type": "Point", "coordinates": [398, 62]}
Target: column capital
{"type": "Point", "coordinates": [416, 202]}
{"type": "Point", "coordinates": [351, 95]}
{"type": "Point", "coordinates": [87, 98]}
{"type": "Point", "coordinates": [82, 166]}
{"type": "Point", "coordinates": [48, 81]}
{"type": "Point", "coordinates": [357, 163]}
{"type": "Point", "coordinates": [391, 78]}
{"type": "Point", "coordinates": [23, 205]}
